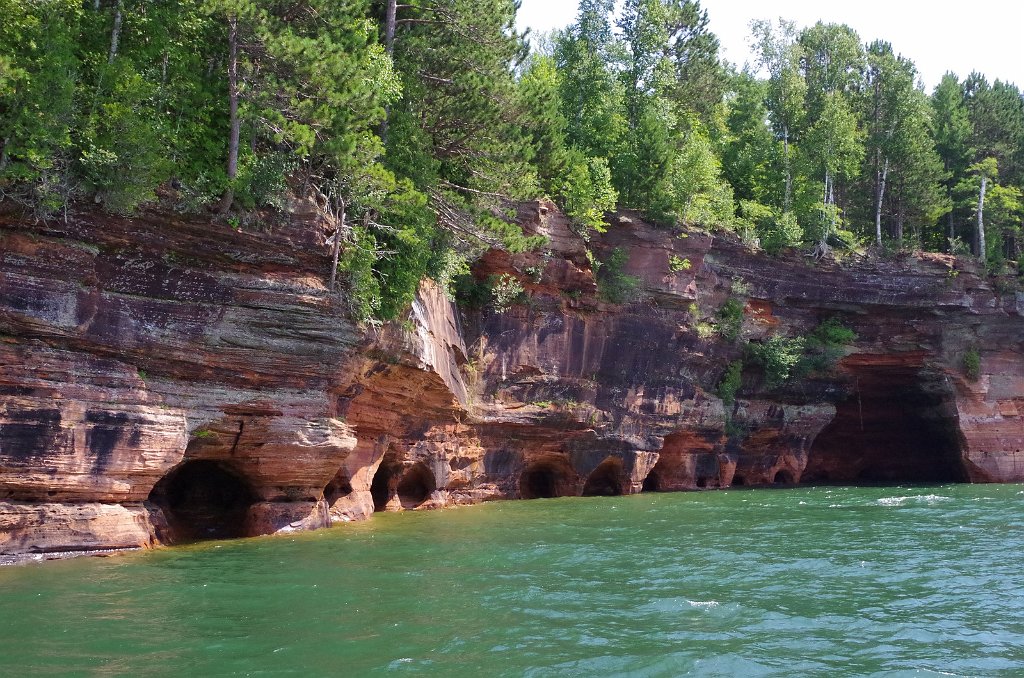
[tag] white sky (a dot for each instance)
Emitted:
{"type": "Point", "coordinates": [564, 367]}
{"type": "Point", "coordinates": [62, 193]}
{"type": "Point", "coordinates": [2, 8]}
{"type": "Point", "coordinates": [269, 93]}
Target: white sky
{"type": "Point", "coordinates": [938, 36]}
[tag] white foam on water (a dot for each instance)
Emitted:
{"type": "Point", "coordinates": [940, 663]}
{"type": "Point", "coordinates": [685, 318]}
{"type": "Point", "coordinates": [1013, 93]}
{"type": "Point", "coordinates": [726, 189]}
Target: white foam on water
{"type": "Point", "coordinates": [929, 499]}
{"type": "Point", "coordinates": [703, 604]}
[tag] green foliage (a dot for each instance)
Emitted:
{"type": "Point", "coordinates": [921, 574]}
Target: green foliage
{"type": "Point", "coordinates": [364, 291]}
{"type": "Point", "coordinates": [833, 333]}
{"type": "Point", "coordinates": [958, 247]}
{"type": "Point", "coordinates": [779, 357]}
{"type": "Point", "coordinates": [972, 364]}
{"type": "Point", "coordinates": [506, 291]}
{"type": "Point", "coordinates": [730, 319]}
{"type": "Point", "coordinates": [677, 263]}
{"type": "Point", "coordinates": [586, 192]}
{"type": "Point", "coordinates": [123, 156]}
{"type": "Point", "coordinates": [775, 231]}
{"type": "Point", "coordinates": [426, 143]}
{"type": "Point", "coordinates": [825, 345]}
{"type": "Point", "coordinates": [706, 330]}
{"type": "Point", "coordinates": [730, 382]}
{"type": "Point", "coordinates": [37, 87]}
{"type": "Point", "coordinates": [696, 191]}
{"type": "Point", "coordinates": [613, 283]}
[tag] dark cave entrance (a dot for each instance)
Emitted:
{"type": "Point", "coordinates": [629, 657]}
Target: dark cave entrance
{"type": "Point", "coordinates": [203, 499]}
{"type": "Point", "coordinates": [545, 479]}
{"type": "Point", "coordinates": [606, 480]}
{"type": "Point", "coordinates": [340, 486]}
{"type": "Point", "coordinates": [899, 426]}
{"type": "Point", "coordinates": [783, 478]}
{"type": "Point", "coordinates": [416, 486]}
{"type": "Point", "coordinates": [382, 486]}
{"type": "Point", "coordinates": [652, 483]}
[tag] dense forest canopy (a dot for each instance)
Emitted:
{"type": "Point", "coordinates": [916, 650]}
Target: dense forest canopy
{"type": "Point", "coordinates": [417, 126]}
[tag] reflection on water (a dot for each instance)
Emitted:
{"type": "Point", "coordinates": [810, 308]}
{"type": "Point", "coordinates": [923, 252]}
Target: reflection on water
{"type": "Point", "coordinates": [808, 581]}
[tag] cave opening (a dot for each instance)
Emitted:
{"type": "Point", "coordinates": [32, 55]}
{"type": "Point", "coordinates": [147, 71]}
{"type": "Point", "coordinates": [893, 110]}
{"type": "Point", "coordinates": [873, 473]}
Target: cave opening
{"type": "Point", "coordinates": [203, 499]}
{"type": "Point", "coordinates": [898, 426]}
{"type": "Point", "coordinates": [606, 480]}
{"type": "Point", "coordinates": [652, 483]}
{"type": "Point", "coordinates": [416, 486]}
{"type": "Point", "coordinates": [783, 477]}
{"type": "Point", "coordinates": [546, 479]}
{"type": "Point", "coordinates": [382, 486]}
{"type": "Point", "coordinates": [340, 486]}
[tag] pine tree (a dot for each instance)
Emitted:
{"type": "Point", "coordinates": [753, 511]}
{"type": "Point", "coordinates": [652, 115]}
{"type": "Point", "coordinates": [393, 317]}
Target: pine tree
{"type": "Point", "coordinates": [953, 132]}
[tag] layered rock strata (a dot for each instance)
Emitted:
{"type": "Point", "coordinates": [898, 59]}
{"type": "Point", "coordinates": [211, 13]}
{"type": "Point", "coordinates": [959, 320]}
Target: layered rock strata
{"type": "Point", "coordinates": [163, 380]}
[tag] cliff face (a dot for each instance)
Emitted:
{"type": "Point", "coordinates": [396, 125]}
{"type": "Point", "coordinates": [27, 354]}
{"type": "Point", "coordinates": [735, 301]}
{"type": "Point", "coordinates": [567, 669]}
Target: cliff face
{"type": "Point", "coordinates": [164, 380]}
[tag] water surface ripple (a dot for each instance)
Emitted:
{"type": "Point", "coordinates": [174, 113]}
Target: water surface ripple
{"type": "Point", "coordinates": [808, 581]}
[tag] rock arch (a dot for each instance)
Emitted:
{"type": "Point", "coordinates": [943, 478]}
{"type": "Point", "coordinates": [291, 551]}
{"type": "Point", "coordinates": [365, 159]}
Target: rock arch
{"type": "Point", "coordinates": [203, 499]}
{"type": "Point", "coordinates": [546, 478]}
{"type": "Point", "coordinates": [652, 483]}
{"type": "Point", "coordinates": [783, 477]}
{"type": "Point", "coordinates": [415, 486]}
{"type": "Point", "coordinates": [607, 480]}
{"type": "Point", "coordinates": [382, 487]}
{"type": "Point", "coordinates": [340, 486]}
{"type": "Point", "coordinates": [899, 424]}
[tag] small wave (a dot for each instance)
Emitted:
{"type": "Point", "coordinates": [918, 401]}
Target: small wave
{"type": "Point", "coordinates": [703, 604]}
{"type": "Point", "coordinates": [919, 499]}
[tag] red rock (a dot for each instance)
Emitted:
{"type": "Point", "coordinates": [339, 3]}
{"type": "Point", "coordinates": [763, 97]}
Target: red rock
{"type": "Point", "coordinates": [165, 379]}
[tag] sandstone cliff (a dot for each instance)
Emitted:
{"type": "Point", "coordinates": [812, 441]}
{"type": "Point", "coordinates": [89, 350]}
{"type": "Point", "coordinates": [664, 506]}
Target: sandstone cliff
{"type": "Point", "coordinates": [164, 380]}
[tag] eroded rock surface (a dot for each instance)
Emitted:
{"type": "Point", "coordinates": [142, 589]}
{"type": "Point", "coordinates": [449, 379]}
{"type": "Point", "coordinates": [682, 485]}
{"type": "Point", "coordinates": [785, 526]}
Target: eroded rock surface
{"type": "Point", "coordinates": [163, 380]}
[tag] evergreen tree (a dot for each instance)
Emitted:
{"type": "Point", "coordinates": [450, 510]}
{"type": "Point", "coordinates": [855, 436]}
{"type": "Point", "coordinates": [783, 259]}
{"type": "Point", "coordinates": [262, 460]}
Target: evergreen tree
{"type": "Point", "coordinates": [699, 80]}
{"type": "Point", "coordinates": [455, 133]}
{"type": "Point", "coordinates": [953, 132]}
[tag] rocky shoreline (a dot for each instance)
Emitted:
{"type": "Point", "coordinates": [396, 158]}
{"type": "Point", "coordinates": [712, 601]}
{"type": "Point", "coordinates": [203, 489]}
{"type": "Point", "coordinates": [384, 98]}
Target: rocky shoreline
{"type": "Point", "coordinates": [168, 379]}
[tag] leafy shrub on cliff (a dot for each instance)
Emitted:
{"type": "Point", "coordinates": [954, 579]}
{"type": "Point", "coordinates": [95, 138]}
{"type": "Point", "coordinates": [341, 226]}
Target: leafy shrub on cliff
{"type": "Point", "coordinates": [826, 345]}
{"type": "Point", "coordinates": [778, 356]}
{"type": "Point", "coordinates": [730, 317]}
{"type": "Point", "coordinates": [677, 263]}
{"type": "Point", "coordinates": [356, 262]}
{"type": "Point", "coordinates": [730, 383]}
{"type": "Point", "coordinates": [972, 364]}
{"type": "Point", "coordinates": [613, 284]}
{"type": "Point", "coordinates": [506, 291]}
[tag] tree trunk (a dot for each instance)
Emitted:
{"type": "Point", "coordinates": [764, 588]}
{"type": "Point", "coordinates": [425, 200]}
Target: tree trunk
{"type": "Point", "coordinates": [389, 27]}
{"type": "Point", "coordinates": [337, 245]}
{"type": "Point", "coordinates": [952, 233]}
{"type": "Point", "coordinates": [115, 33]}
{"type": "Point", "coordinates": [899, 224]}
{"type": "Point", "coordinates": [878, 203]}
{"type": "Point", "coordinates": [826, 198]}
{"type": "Point", "coordinates": [3, 153]}
{"type": "Point", "coordinates": [229, 192]}
{"type": "Point", "coordinates": [787, 199]}
{"type": "Point", "coordinates": [390, 20]}
{"type": "Point", "coordinates": [981, 221]}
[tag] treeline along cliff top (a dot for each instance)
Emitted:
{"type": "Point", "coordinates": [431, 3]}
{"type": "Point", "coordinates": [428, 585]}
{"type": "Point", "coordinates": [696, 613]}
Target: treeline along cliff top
{"type": "Point", "coordinates": [416, 126]}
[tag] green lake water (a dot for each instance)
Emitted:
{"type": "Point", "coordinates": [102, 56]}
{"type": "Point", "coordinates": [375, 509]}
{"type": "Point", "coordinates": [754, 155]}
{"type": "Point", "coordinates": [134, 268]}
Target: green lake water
{"type": "Point", "coordinates": [798, 582]}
